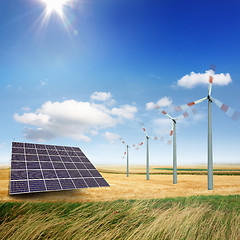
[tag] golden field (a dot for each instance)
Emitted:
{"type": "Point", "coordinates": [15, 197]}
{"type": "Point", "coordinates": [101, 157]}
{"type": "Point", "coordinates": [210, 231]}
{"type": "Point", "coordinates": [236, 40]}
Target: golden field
{"type": "Point", "coordinates": [134, 187]}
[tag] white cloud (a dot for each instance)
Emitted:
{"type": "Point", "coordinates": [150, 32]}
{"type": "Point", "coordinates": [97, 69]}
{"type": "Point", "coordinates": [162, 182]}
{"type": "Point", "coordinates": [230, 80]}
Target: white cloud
{"type": "Point", "coordinates": [194, 79]}
{"type": "Point", "coordinates": [39, 135]}
{"type": "Point", "coordinates": [150, 105]}
{"type": "Point", "coordinates": [43, 82]}
{"type": "Point", "coordinates": [72, 119]}
{"type": "Point", "coordinates": [101, 96]}
{"type": "Point", "coordinates": [94, 133]}
{"type": "Point", "coordinates": [124, 111]}
{"type": "Point", "coordinates": [111, 137]}
{"type": "Point", "coordinates": [105, 97]}
{"type": "Point", "coordinates": [162, 102]}
{"type": "Point", "coordinates": [9, 85]}
{"type": "Point", "coordinates": [26, 109]}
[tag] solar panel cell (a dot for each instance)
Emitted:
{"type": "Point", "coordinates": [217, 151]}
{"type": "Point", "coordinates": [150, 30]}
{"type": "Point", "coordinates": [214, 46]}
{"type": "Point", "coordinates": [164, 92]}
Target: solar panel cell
{"type": "Point", "coordinates": [48, 174]}
{"type": "Point", "coordinates": [91, 182]}
{"type": "Point", "coordinates": [46, 165]}
{"type": "Point", "coordinates": [42, 152]}
{"type": "Point", "coordinates": [62, 174]}
{"type": "Point", "coordinates": [31, 158]}
{"type": "Point", "coordinates": [35, 174]}
{"type": "Point", "coordinates": [72, 153]}
{"type": "Point", "coordinates": [66, 159]}
{"type": "Point", "coordinates": [60, 148]}
{"type": "Point", "coordinates": [53, 185]}
{"type": "Point", "coordinates": [29, 145]}
{"type": "Point", "coordinates": [80, 183]}
{"type": "Point", "coordinates": [85, 160]}
{"type": "Point", "coordinates": [18, 157]}
{"type": "Point", "coordinates": [62, 153]}
{"type": "Point", "coordinates": [68, 148]}
{"type": "Point", "coordinates": [85, 173]}
{"type": "Point", "coordinates": [18, 165]}
{"type": "Point", "coordinates": [67, 184]}
{"type": "Point", "coordinates": [50, 147]}
{"type": "Point", "coordinates": [37, 186]}
{"type": "Point", "coordinates": [18, 187]}
{"type": "Point", "coordinates": [55, 158]}
{"type": "Point", "coordinates": [74, 174]}
{"type": "Point", "coordinates": [44, 158]}
{"type": "Point", "coordinates": [52, 152]}
{"type": "Point", "coordinates": [19, 175]}
{"type": "Point", "coordinates": [70, 166]}
{"type": "Point", "coordinates": [76, 159]}
{"type": "Point", "coordinates": [58, 165]}
{"type": "Point", "coordinates": [17, 144]}
{"type": "Point", "coordinates": [102, 182]}
{"type": "Point", "coordinates": [30, 151]}
{"type": "Point", "coordinates": [33, 165]}
{"type": "Point", "coordinates": [89, 166]}
{"type": "Point", "coordinates": [18, 150]}
{"type": "Point", "coordinates": [40, 146]}
{"type": "Point", "coordinates": [80, 166]}
{"type": "Point", "coordinates": [95, 173]}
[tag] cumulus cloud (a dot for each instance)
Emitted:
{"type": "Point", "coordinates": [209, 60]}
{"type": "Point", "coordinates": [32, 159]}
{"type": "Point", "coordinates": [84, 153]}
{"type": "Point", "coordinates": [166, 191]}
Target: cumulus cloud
{"type": "Point", "coordinates": [125, 111]}
{"type": "Point", "coordinates": [72, 119]}
{"type": "Point", "coordinates": [101, 96]}
{"type": "Point", "coordinates": [194, 79]}
{"type": "Point", "coordinates": [105, 97]}
{"type": "Point", "coordinates": [162, 102]}
{"type": "Point", "coordinates": [111, 137]}
{"type": "Point", "coordinates": [39, 134]}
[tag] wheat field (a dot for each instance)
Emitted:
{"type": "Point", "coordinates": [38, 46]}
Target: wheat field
{"type": "Point", "coordinates": [133, 187]}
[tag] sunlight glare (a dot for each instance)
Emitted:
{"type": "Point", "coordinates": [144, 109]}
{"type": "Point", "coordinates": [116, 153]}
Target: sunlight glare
{"type": "Point", "coordinates": [54, 6]}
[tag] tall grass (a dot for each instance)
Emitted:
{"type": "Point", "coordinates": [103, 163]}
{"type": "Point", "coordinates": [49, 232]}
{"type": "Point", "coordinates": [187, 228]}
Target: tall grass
{"type": "Point", "coordinates": [120, 220]}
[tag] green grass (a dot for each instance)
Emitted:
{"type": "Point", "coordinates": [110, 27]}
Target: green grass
{"type": "Point", "coordinates": [199, 217]}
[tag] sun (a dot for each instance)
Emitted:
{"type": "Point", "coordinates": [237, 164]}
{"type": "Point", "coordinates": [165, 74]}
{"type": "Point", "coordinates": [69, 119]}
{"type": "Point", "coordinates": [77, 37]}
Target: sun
{"type": "Point", "coordinates": [54, 6]}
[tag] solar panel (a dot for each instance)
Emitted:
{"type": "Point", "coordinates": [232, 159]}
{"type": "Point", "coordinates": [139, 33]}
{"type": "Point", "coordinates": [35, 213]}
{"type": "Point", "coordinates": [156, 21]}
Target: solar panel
{"type": "Point", "coordinates": [43, 168]}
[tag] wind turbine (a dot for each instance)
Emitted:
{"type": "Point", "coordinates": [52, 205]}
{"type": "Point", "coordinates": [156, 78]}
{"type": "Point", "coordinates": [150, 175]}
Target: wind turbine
{"type": "Point", "coordinates": [234, 115]}
{"type": "Point", "coordinates": [173, 133]}
{"type": "Point", "coordinates": [126, 152]}
{"type": "Point", "coordinates": [147, 154]}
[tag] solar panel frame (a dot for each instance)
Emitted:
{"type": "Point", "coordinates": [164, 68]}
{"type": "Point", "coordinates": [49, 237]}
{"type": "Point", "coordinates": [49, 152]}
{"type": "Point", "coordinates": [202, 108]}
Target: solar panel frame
{"type": "Point", "coordinates": [44, 168]}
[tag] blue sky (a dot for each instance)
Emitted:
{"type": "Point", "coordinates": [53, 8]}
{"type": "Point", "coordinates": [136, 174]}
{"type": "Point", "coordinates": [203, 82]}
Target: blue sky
{"type": "Point", "coordinates": [128, 53]}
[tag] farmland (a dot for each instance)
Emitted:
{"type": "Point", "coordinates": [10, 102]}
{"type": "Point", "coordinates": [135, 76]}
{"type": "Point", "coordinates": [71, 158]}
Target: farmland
{"type": "Point", "coordinates": [132, 208]}
{"type": "Point", "coordinates": [135, 187]}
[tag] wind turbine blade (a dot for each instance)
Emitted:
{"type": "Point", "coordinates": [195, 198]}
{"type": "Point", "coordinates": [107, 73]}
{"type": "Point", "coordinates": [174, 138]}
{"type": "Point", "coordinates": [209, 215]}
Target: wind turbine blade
{"type": "Point", "coordinates": [145, 132]}
{"type": "Point", "coordinates": [210, 85]}
{"type": "Point", "coordinates": [167, 115]}
{"type": "Point", "coordinates": [233, 114]}
{"type": "Point", "coordinates": [186, 106]}
{"type": "Point", "coordinates": [182, 116]}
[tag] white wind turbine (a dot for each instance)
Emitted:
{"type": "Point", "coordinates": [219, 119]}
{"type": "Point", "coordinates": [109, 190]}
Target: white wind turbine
{"type": "Point", "coordinates": [173, 133]}
{"type": "Point", "coordinates": [234, 115]}
{"type": "Point", "coordinates": [127, 153]}
{"type": "Point", "coordinates": [147, 154]}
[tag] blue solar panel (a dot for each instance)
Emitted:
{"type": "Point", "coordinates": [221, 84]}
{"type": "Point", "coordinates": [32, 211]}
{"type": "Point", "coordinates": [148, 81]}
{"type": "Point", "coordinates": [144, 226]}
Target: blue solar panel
{"type": "Point", "coordinates": [40, 168]}
{"type": "Point", "coordinates": [67, 183]}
